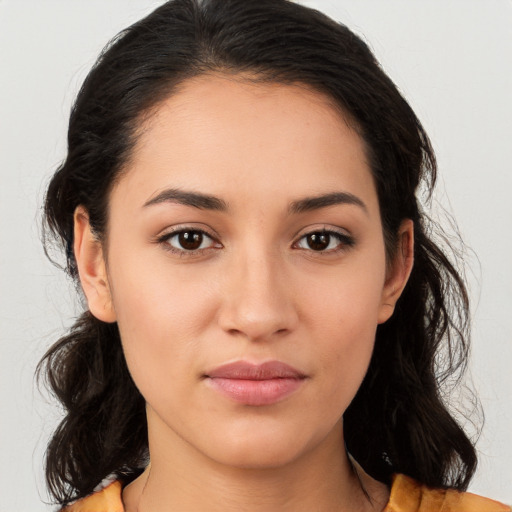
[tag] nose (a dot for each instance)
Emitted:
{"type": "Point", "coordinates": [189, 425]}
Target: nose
{"type": "Point", "coordinates": [258, 303]}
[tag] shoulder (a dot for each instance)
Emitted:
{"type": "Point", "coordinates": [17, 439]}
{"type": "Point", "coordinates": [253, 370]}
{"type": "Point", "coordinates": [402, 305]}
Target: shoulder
{"type": "Point", "coordinates": [107, 499]}
{"type": "Point", "coordinates": [407, 495]}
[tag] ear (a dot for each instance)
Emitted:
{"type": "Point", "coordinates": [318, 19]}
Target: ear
{"type": "Point", "coordinates": [399, 271]}
{"type": "Point", "coordinates": [92, 268]}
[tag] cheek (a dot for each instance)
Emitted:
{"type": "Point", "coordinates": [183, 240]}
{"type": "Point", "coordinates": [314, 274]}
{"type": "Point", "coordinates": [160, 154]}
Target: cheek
{"type": "Point", "coordinates": [348, 345]}
{"type": "Point", "coordinates": [343, 317]}
{"type": "Point", "coordinates": [160, 317]}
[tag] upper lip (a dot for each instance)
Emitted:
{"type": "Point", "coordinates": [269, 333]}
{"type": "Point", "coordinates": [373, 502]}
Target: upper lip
{"type": "Point", "coordinates": [244, 370]}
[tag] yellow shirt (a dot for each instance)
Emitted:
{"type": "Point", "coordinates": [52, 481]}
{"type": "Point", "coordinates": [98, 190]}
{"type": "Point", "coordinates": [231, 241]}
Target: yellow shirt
{"type": "Point", "coordinates": [407, 495]}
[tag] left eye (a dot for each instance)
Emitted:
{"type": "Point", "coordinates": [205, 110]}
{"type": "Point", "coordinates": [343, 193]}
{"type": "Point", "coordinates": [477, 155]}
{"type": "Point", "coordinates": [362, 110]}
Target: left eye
{"type": "Point", "coordinates": [323, 241]}
{"type": "Point", "coordinates": [190, 240]}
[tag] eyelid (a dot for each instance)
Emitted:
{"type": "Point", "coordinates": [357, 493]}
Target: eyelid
{"type": "Point", "coordinates": [322, 228]}
{"type": "Point", "coordinates": [345, 238]}
{"type": "Point", "coordinates": [164, 237]}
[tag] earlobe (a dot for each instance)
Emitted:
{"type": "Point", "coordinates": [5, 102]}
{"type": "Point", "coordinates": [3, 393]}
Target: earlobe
{"type": "Point", "coordinates": [399, 271]}
{"type": "Point", "coordinates": [92, 268]}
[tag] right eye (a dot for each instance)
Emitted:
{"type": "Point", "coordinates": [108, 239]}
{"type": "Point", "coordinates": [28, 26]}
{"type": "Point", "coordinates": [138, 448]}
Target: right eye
{"type": "Point", "coordinates": [188, 241]}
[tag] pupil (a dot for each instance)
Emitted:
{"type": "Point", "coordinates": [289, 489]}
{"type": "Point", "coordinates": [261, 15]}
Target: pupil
{"type": "Point", "coordinates": [318, 241]}
{"type": "Point", "coordinates": [190, 240]}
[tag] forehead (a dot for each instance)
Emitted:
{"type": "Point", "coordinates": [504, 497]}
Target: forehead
{"type": "Point", "coordinates": [220, 134]}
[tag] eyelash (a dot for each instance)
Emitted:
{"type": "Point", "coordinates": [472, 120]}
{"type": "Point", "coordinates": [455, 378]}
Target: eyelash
{"type": "Point", "coordinates": [165, 241]}
{"type": "Point", "coordinates": [345, 242]}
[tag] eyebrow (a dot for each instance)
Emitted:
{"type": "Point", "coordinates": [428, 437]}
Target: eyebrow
{"type": "Point", "coordinates": [194, 199]}
{"type": "Point", "coordinates": [209, 202]}
{"type": "Point", "coordinates": [323, 201]}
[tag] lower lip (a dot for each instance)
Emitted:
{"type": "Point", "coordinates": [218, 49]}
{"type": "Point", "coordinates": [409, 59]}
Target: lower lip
{"type": "Point", "coordinates": [256, 392]}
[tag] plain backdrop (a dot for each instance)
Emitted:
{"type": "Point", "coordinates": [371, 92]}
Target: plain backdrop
{"type": "Point", "coordinates": [452, 61]}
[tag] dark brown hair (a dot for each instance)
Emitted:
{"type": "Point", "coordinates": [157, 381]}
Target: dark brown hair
{"type": "Point", "coordinates": [397, 422]}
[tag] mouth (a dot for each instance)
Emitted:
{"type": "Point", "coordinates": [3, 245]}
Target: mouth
{"type": "Point", "coordinates": [255, 384]}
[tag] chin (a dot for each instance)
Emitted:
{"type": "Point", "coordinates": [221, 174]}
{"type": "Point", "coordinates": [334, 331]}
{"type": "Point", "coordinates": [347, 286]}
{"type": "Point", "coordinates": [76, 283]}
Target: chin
{"type": "Point", "coordinates": [253, 456]}
{"type": "Point", "coordinates": [260, 448]}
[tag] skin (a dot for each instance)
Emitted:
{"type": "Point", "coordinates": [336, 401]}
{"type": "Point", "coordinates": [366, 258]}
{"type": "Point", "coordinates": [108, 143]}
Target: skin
{"type": "Point", "coordinates": [254, 291]}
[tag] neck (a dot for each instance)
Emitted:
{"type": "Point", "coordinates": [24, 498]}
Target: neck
{"type": "Point", "coordinates": [180, 478]}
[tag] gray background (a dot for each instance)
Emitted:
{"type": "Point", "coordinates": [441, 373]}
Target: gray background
{"type": "Point", "coordinates": [451, 59]}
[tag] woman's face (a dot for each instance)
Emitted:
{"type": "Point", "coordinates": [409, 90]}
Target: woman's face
{"type": "Point", "coordinates": [246, 269]}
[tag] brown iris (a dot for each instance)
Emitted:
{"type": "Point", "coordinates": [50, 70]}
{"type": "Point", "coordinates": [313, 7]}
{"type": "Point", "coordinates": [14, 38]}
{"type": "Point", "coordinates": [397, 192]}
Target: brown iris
{"type": "Point", "coordinates": [190, 240]}
{"type": "Point", "coordinates": [318, 241]}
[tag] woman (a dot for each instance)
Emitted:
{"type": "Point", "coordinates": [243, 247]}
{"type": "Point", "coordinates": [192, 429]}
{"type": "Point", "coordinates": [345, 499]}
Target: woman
{"type": "Point", "coordinates": [264, 300]}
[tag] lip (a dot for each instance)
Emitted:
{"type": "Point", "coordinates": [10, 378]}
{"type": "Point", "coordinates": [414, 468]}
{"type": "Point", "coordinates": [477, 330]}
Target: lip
{"type": "Point", "coordinates": [255, 384]}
